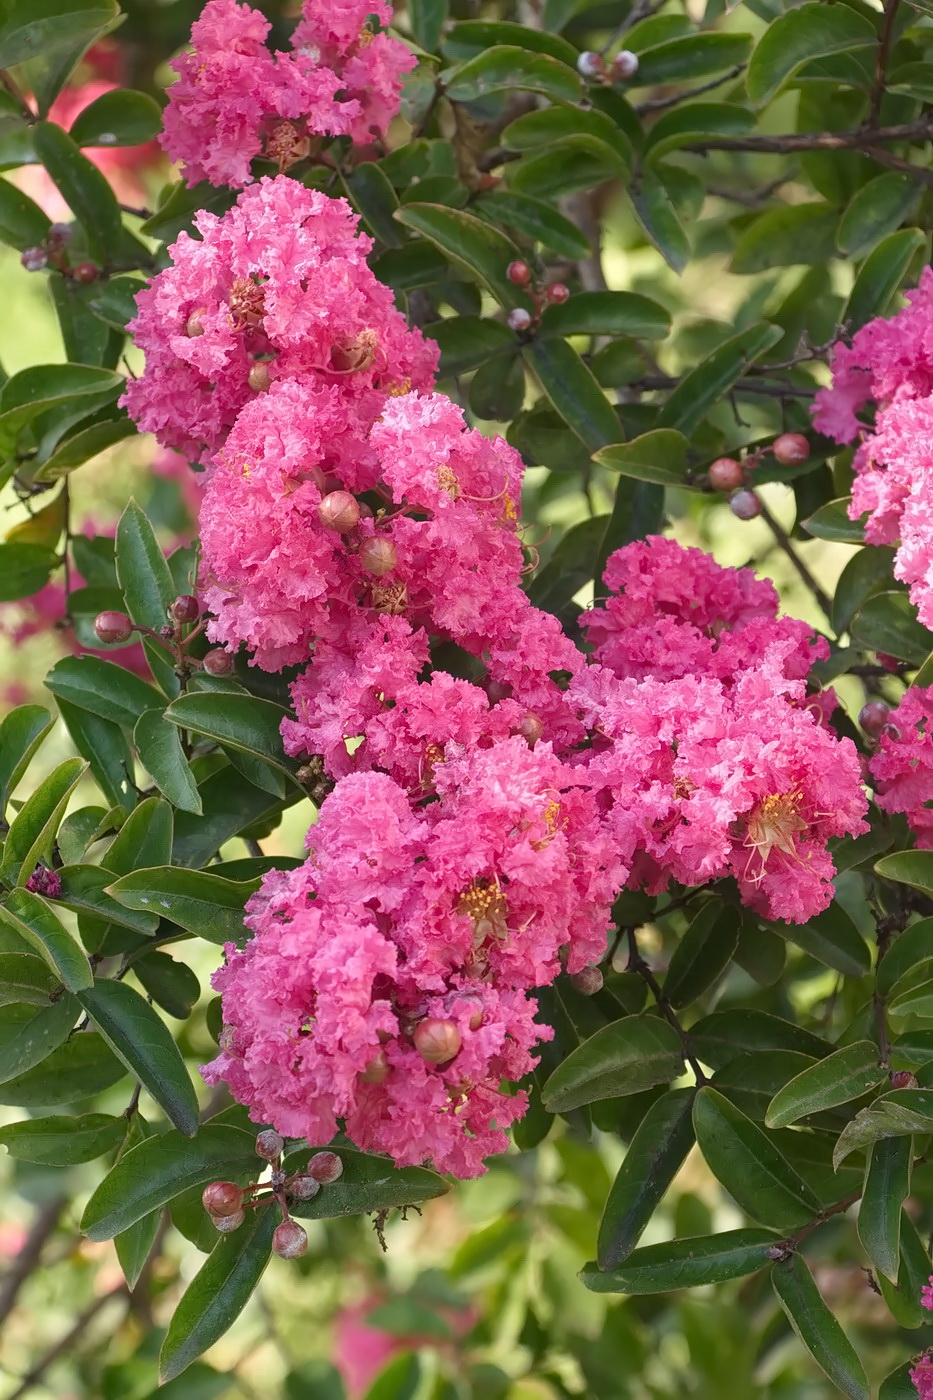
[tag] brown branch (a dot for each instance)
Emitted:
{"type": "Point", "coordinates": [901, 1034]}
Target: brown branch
{"type": "Point", "coordinates": [881, 62]}
{"type": "Point", "coordinates": [28, 1258]}
{"type": "Point", "coordinates": [637, 964]}
{"type": "Point", "coordinates": [792, 1242]}
{"type": "Point", "coordinates": [744, 386]}
{"type": "Point", "coordinates": [658, 104]}
{"type": "Point", "coordinates": [860, 139]}
{"type": "Point", "coordinates": [783, 541]}
{"type": "Point", "coordinates": [64, 1344]}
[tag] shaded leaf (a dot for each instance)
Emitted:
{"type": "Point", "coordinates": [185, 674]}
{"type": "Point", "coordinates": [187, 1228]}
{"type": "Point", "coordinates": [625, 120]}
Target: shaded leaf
{"type": "Point", "coordinates": [704, 386]}
{"type": "Point", "coordinates": [800, 35]}
{"type": "Point", "coordinates": [21, 733]}
{"type": "Point", "coordinates": [60, 1141]}
{"type": "Point", "coordinates": [687, 1263]}
{"type": "Point", "coordinates": [816, 1326]}
{"type": "Point", "coordinates": [158, 743]}
{"type": "Point", "coordinates": [623, 1058]}
{"type": "Point", "coordinates": [888, 622]}
{"type": "Point", "coordinates": [196, 900]}
{"type": "Point", "coordinates": [887, 1183]}
{"type": "Point", "coordinates": [32, 831]}
{"type": "Point", "coordinates": [880, 276]}
{"type": "Point", "coordinates": [574, 393]}
{"type": "Point", "coordinates": [77, 1070]}
{"type": "Point", "coordinates": [655, 1155]}
{"type": "Point", "coordinates": [29, 1034]}
{"type": "Point", "coordinates": [368, 1184]}
{"type": "Point", "coordinates": [845, 1075]}
{"type": "Point", "coordinates": [33, 918]}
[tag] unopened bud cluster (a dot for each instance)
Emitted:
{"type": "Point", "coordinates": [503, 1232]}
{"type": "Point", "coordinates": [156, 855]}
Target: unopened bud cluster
{"type": "Point", "coordinates": [520, 274]}
{"type": "Point", "coordinates": [621, 69]}
{"type": "Point", "coordinates": [729, 475]}
{"type": "Point", "coordinates": [53, 252]}
{"type": "Point", "coordinates": [117, 628]}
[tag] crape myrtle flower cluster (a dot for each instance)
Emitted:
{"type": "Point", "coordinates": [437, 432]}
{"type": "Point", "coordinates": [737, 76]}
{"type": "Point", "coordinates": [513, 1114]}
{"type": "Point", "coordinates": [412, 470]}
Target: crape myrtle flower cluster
{"type": "Point", "coordinates": [235, 100]}
{"type": "Point", "coordinates": [477, 830]}
{"type": "Point", "coordinates": [902, 765]}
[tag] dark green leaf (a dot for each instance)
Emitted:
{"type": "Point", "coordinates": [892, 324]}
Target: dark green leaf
{"type": "Point", "coordinates": [30, 916]}
{"type": "Point", "coordinates": [570, 566]}
{"type": "Point", "coordinates": [32, 831]}
{"type": "Point", "coordinates": [637, 511]}
{"type": "Point", "coordinates": [690, 123]}
{"type": "Point", "coordinates": [903, 1300]}
{"type": "Point", "coordinates": [536, 220]}
{"type": "Point", "coordinates": [84, 889]}
{"type": "Point", "coordinates": [25, 979]}
{"type": "Point", "coordinates": [688, 1263]}
{"type": "Point", "coordinates": [197, 901]}
{"type": "Point", "coordinates": [144, 839]}
{"type": "Point", "coordinates": [655, 1155]}
{"type": "Point", "coordinates": [703, 954]}
{"type": "Point", "coordinates": [21, 733]}
{"type": "Point", "coordinates": [888, 622]}
{"type": "Point", "coordinates": [607, 313]}
{"type": "Point", "coordinates": [81, 1068]}
{"type": "Point", "coordinates": [49, 36]}
{"type": "Point", "coordinates": [481, 250]}
{"type": "Point", "coordinates": [914, 946]}
{"type": "Point", "coordinates": [427, 21]}
{"type": "Point", "coordinates": [59, 1141]}
{"type": "Point", "coordinates": [103, 744]}
{"type": "Point", "coordinates": [719, 1038]}
{"type": "Point", "coordinates": [469, 341]}
{"type": "Point", "coordinates": [63, 394]}
{"type": "Point", "coordinates": [172, 985]}
{"type": "Point", "coordinates": [22, 223]}
{"type": "Point", "coordinates": [505, 68]}
{"type": "Point", "coordinates": [576, 163]}
{"type": "Point", "coordinates": [148, 587]}
{"type": "Point", "coordinates": [813, 1322]}
{"type": "Point", "coordinates": [230, 806]}
{"type": "Point", "coordinates": [138, 1037]}
{"type": "Point", "coordinates": [866, 573]}
{"type": "Point", "coordinates": [104, 688]}
{"type": "Point", "coordinates": [880, 276]}
{"type": "Point", "coordinates": [800, 35]}
{"type": "Point", "coordinates": [845, 1075]}
{"type": "Point", "coordinates": [29, 1034]}
{"type": "Point", "coordinates": [659, 456]}
{"type": "Point", "coordinates": [832, 938]}
{"type": "Point", "coordinates": [898, 1385]}
{"type": "Point", "coordinates": [655, 212]}
{"type": "Point", "coordinates": [831, 522]}
{"type": "Point", "coordinates": [114, 301]}
{"type": "Point", "coordinates": [691, 56]}
{"type": "Point", "coordinates": [84, 189]}
{"type": "Point", "coordinates": [623, 1058]}
{"type": "Point", "coordinates": [574, 393]}
{"type": "Point", "coordinates": [78, 448]}
{"type": "Point", "coordinates": [898, 1114]}
{"type": "Point", "coordinates": [24, 569]}
{"type": "Point", "coordinates": [497, 390]}
{"type": "Point", "coordinates": [913, 868]}
{"type": "Point", "coordinates": [887, 1183]}
{"type": "Point", "coordinates": [473, 36]}
{"type": "Point", "coordinates": [159, 746]}
{"type": "Point", "coordinates": [785, 235]}
{"type": "Point", "coordinates": [704, 386]}
{"type": "Point", "coordinates": [876, 209]}
{"type": "Point", "coordinates": [371, 192]}
{"type": "Point", "coordinates": [118, 118]}
{"type": "Point", "coordinates": [368, 1184]}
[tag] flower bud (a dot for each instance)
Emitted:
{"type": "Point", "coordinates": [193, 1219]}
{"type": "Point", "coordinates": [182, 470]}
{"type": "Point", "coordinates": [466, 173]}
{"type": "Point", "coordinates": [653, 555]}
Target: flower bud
{"type": "Point", "coordinates": [325, 1167]}
{"type": "Point", "coordinates": [745, 505]}
{"type": "Point", "coordinates": [874, 716]}
{"type": "Point", "coordinates": [193, 324]}
{"type": "Point", "coordinates": [590, 64]}
{"type": "Point", "coordinates": [519, 273]}
{"type": "Point", "coordinates": [624, 66]}
{"type": "Point", "coordinates": [726, 474]}
{"type": "Point", "coordinates": [185, 608]}
{"type": "Point", "coordinates": [791, 449]}
{"type": "Point", "coordinates": [226, 1224]}
{"type": "Point", "coordinates": [378, 555]}
{"type": "Point", "coordinates": [588, 981]}
{"type": "Point", "coordinates": [34, 259]}
{"type": "Point", "coordinates": [903, 1079]}
{"type": "Point", "coordinates": [377, 1070]}
{"type": "Point", "coordinates": [519, 319]}
{"type": "Point", "coordinates": [269, 1144]}
{"type": "Point", "coordinates": [112, 627]}
{"type": "Point", "coordinates": [258, 377]}
{"type": "Point", "coordinates": [890, 663]}
{"type": "Point", "coordinates": [222, 1198]}
{"type": "Point", "coordinates": [558, 293]}
{"type": "Point", "coordinates": [339, 511]}
{"type": "Point", "coordinates": [86, 272]}
{"type": "Point", "coordinates": [436, 1041]}
{"type": "Point", "coordinates": [218, 662]}
{"type": "Point", "coordinates": [304, 1188]}
{"type": "Point", "coordinates": [289, 1240]}
{"type": "Point", "coordinates": [58, 235]}
{"type": "Point", "coordinates": [45, 881]}
{"type": "Point", "coordinates": [530, 728]}
{"type": "Point", "coordinates": [891, 731]}
{"type": "Point", "coordinates": [496, 690]}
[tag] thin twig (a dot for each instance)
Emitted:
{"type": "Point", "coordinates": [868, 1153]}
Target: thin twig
{"type": "Point", "coordinates": [881, 62]}
{"type": "Point", "coordinates": [784, 542]}
{"type": "Point", "coordinates": [642, 9]}
{"type": "Point", "coordinates": [658, 104]}
{"type": "Point", "coordinates": [43, 1227]}
{"type": "Point", "coordinates": [745, 386]}
{"type": "Point", "coordinates": [793, 1241]}
{"type": "Point", "coordinates": [636, 963]}
{"type": "Point", "coordinates": [858, 139]}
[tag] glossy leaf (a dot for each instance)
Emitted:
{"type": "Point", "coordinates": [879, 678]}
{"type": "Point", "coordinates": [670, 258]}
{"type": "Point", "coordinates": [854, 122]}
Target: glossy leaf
{"type": "Point", "coordinates": [785, 235]}
{"type": "Point", "coordinates": [148, 587]}
{"type": "Point", "coordinates": [84, 889]}
{"type": "Point", "coordinates": [144, 839]}
{"type": "Point", "coordinates": [24, 569]}
{"type": "Point", "coordinates": [831, 522]}
{"type": "Point", "coordinates": [104, 688]}
{"type": "Point", "coordinates": [570, 566]}
{"type": "Point", "coordinates": [505, 68]}
{"type": "Point", "coordinates": [474, 245]}
{"type": "Point", "coordinates": [898, 1114]}
{"type": "Point", "coordinates": [845, 1075]}
{"type": "Point", "coordinates": [84, 189]}
{"type": "Point", "coordinates": [196, 900]}
{"type": "Point", "coordinates": [82, 1067]}
{"type": "Point", "coordinates": [798, 36]}
{"type": "Point", "coordinates": [703, 953]}
{"type": "Point", "coordinates": [470, 341]}
{"type": "Point", "coordinates": [888, 622]}
{"type": "Point", "coordinates": [62, 1141]}
{"type": "Point", "coordinates": [691, 56]}
{"type": "Point", "coordinates": [22, 223]}
{"type": "Point", "coordinates": [887, 1183]}
{"type": "Point", "coordinates": [367, 1184]}
{"type": "Point", "coordinates": [880, 275]}
{"type": "Point", "coordinates": [832, 938]}
{"type": "Point", "coordinates": [607, 313]}
{"type": "Point", "coordinates": [25, 979]}
{"type": "Point", "coordinates": [622, 1058]}
{"type": "Point", "coordinates": [574, 393]}
{"type": "Point", "coordinates": [913, 868]}
{"type": "Point", "coordinates": [817, 1328]}
{"type": "Point", "coordinates": [118, 118]}
{"type": "Point", "coordinates": [657, 215]}
{"type": "Point", "coordinates": [171, 984]}
{"type": "Point", "coordinates": [878, 208]}
{"type": "Point", "coordinates": [722, 1036]}
{"type": "Point", "coordinates": [103, 744]}
{"type": "Point", "coordinates": [29, 1034]}
{"type": "Point", "coordinates": [535, 219]}
{"type": "Point", "coordinates": [655, 1155]}
{"type": "Point", "coordinates": [49, 37]}
{"type": "Point", "coordinates": [22, 731]}
{"type": "Point", "coordinates": [704, 386]}
{"type": "Point", "coordinates": [577, 162]}
{"type": "Point", "coordinates": [32, 831]}
{"type": "Point", "coordinates": [867, 572]}
{"type": "Point", "coordinates": [911, 948]}
{"type": "Point", "coordinates": [158, 743]}
{"type": "Point", "coordinates": [33, 918]}
{"type": "Point", "coordinates": [371, 191]}
{"type": "Point", "coordinates": [686, 1263]}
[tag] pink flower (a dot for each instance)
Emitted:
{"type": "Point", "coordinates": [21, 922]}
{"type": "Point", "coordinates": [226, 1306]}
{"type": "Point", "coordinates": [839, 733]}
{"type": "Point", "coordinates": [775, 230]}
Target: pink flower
{"type": "Point", "coordinates": [926, 1295]}
{"type": "Point", "coordinates": [921, 1376]}
{"type": "Point", "coordinates": [371, 66]}
{"type": "Point", "coordinates": [903, 765]}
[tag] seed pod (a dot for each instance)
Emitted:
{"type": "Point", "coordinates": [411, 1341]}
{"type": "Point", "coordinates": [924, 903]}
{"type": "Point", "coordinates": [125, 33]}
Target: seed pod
{"type": "Point", "coordinates": [339, 511]}
{"type": "Point", "coordinates": [258, 377]}
{"type": "Point", "coordinates": [325, 1167]}
{"type": "Point", "coordinates": [744, 504]}
{"type": "Point", "coordinates": [112, 627]}
{"type": "Point", "coordinates": [874, 716]}
{"type": "Point", "coordinates": [289, 1240]}
{"type": "Point", "coordinates": [226, 1224]}
{"type": "Point", "coordinates": [304, 1188]}
{"type": "Point", "coordinates": [903, 1079]}
{"type": "Point", "coordinates": [185, 608]}
{"type": "Point", "coordinates": [725, 474]}
{"type": "Point", "coordinates": [624, 66]}
{"type": "Point", "coordinates": [437, 1041]}
{"type": "Point", "coordinates": [519, 273]}
{"type": "Point", "coordinates": [588, 981]}
{"type": "Point", "coordinates": [218, 662]}
{"type": "Point", "coordinates": [222, 1198]}
{"type": "Point", "coordinates": [377, 1070]}
{"type": "Point", "coordinates": [791, 449]}
{"type": "Point", "coordinates": [378, 555]}
{"type": "Point", "coordinates": [519, 319]}
{"type": "Point", "coordinates": [269, 1144]}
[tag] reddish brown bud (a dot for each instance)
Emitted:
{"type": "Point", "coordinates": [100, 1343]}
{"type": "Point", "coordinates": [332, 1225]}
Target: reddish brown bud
{"type": "Point", "coordinates": [339, 511]}
{"type": "Point", "coordinates": [258, 377]}
{"type": "Point", "coordinates": [624, 66]}
{"type": "Point", "coordinates": [193, 324]}
{"type": "Point", "coordinates": [269, 1144]}
{"type": "Point", "coordinates": [325, 1167]}
{"type": "Point", "coordinates": [890, 663]}
{"type": "Point", "coordinates": [588, 981]}
{"type": "Point", "coordinates": [58, 235]}
{"type": "Point", "coordinates": [519, 319]}
{"type": "Point", "coordinates": [226, 1224]}
{"type": "Point", "coordinates": [304, 1188]}
{"type": "Point", "coordinates": [218, 662]}
{"type": "Point", "coordinates": [874, 716]}
{"type": "Point", "coordinates": [436, 1041]}
{"type": "Point", "coordinates": [185, 608]}
{"type": "Point", "coordinates": [791, 449]}
{"type": "Point", "coordinates": [377, 1071]}
{"type": "Point", "coordinates": [745, 505]}
{"type": "Point", "coordinates": [222, 1198]}
{"type": "Point", "coordinates": [519, 273]}
{"type": "Point", "coordinates": [34, 259]}
{"type": "Point", "coordinates": [557, 292]}
{"type": "Point", "coordinates": [86, 272]}
{"type": "Point", "coordinates": [289, 1240]}
{"type": "Point", "coordinates": [112, 627]}
{"type": "Point", "coordinates": [530, 728]}
{"type": "Point", "coordinates": [903, 1079]}
{"type": "Point", "coordinates": [378, 555]}
{"type": "Point", "coordinates": [725, 474]}
{"type": "Point", "coordinates": [45, 881]}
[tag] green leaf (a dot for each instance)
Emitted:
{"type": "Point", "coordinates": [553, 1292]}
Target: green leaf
{"type": "Point", "coordinates": [831, 522]}
{"type": "Point", "coordinates": [59, 1141]}
{"type": "Point", "coordinates": [104, 688]}
{"type": "Point", "coordinates": [506, 68]}
{"type": "Point", "coordinates": [878, 208]}
{"type": "Point", "coordinates": [537, 220]}
{"type": "Point", "coordinates": [497, 390]}
{"type": "Point", "coordinates": [719, 1038]}
{"type": "Point", "coordinates": [30, 916]}
{"type": "Point", "coordinates": [550, 126]}
{"type": "Point", "coordinates": [912, 947]}
{"type": "Point", "coordinates": [813, 1322]}
{"type": "Point", "coordinates": [138, 1037]}
{"type": "Point", "coordinates": [607, 313]}
{"type": "Point", "coordinates": [61, 393]}
{"type": "Point", "coordinates": [219, 1292]}
{"type": "Point", "coordinates": [24, 569]}
{"type": "Point", "coordinates": [197, 901]}
{"type": "Point", "coordinates": [49, 36]}
{"type": "Point", "coordinates": [623, 1058]}
{"type": "Point", "coordinates": [78, 448]}
{"type": "Point", "coordinates": [471, 243]}
{"type": "Point", "coordinates": [159, 746]}
{"type": "Point", "coordinates": [230, 806]}
{"type": "Point", "coordinates": [570, 566]}
{"type": "Point", "coordinates": [655, 212]}
{"type": "Point", "coordinates": [903, 1300]}
{"type": "Point", "coordinates": [704, 386]}
{"type": "Point", "coordinates": [33, 829]}
{"type": "Point", "coordinates": [77, 1070]}
{"type": "Point", "coordinates": [659, 456]}
{"type": "Point", "coordinates": [575, 163]}
{"type": "Point", "coordinates": [118, 118]}
{"type": "Point", "coordinates": [691, 56]}
{"type": "Point", "coordinates": [84, 189]}
{"type": "Point", "coordinates": [746, 1161]}
{"type": "Point", "coordinates": [22, 223]}
{"type": "Point", "coordinates": [25, 980]}
{"type": "Point", "coordinates": [797, 37]}
{"type": "Point", "coordinates": [913, 868]}
{"type": "Point", "coordinates": [171, 985]}
{"type": "Point", "coordinates": [637, 511]}
{"type": "Point", "coordinates": [370, 190]}
{"type": "Point", "coordinates": [84, 889]}
{"type": "Point", "coordinates": [832, 938]}
{"type": "Point", "coordinates": [786, 235]}
{"type": "Point", "coordinates": [469, 341]}
{"type": "Point", "coordinates": [21, 733]}
{"type": "Point", "coordinates": [887, 1183]}
{"type": "Point", "coordinates": [29, 1034]}
{"type": "Point", "coordinates": [103, 744]}
{"type": "Point", "coordinates": [703, 954]}
{"type": "Point", "coordinates": [690, 123]}
{"type": "Point", "coordinates": [867, 572]}
{"type": "Point", "coordinates": [898, 1385]}
{"type": "Point", "coordinates": [427, 18]}
{"type": "Point", "coordinates": [161, 1168]}
{"type": "Point", "coordinates": [473, 36]}
{"type": "Point", "coordinates": [888, 622]}
{"type": "Point", "coordinates": [845, 1075]}
{"type": "Point", "coordinates": [654, 1157]}
{"type": "Point", "coordinates": [573, 391]}
{"type": "Point", "coordinates": [898, 1114]}
{"type": "Point", "coordinates": [880, 276]}
{"type": "Point", "coordinates": [687, 1263]}
{"type": "Point", "coordinates": [114, 301]}
{"type": "Point", "coordinates": [148, 587]}
{"type": "Point", "coordinates": [368, 1184]}
{"type": "Point", "coordinates": [244, 723]}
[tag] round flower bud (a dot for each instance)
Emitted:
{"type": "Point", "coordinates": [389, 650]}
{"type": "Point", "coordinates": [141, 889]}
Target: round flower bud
{"type": "Point", "coordinates": [725, 474]}
{"type": "Point", "coordinates": [624, 66]}
{"type": "Point", "coordinates": [34, 259]}
{"type": "Point", "coordinates": [903, 1079]}
{"type": "Point", "coordinates": [45, 881]}
{"type": "Point", "coordinates": [437, 1041]}
{"type": "Point", "coordinates": [325, 1167]}
{"type": "Point", "coordinates": [193, 324]}
{"type": "Point", "coordinates": [112, 627]}
{"type": "Point", "coordinates": [218, 662]}
{"type": "Point", "coordinates": [185, 608]}
{"type": "Point", "coordinates": [339, 511]}
{"type": "Point", "coordinates": [517, 272]}
{"type": "Point", "coordinates": [222, 1198]}
{"type": "Point", "coordinates": [745, 505]}
{"type": "Point", "coordinates": [791, 449]}
{"type": "Point", "coordinates": [874, 716]}
{"type": "Point", "coordinates": [590, 65]}
{"type": "Point", "coordinates": [226, 1224]}
{"type": "Point", "coordinates": [378, 555]}
{"type": "Point", "coordinates": [58, 235]}
{"type": "Point", "coordinates": [269, 1145]}
{"type": "Point", "coordinates": [558, 293]}
{"type": "Point", "coordinates": [304, 1188]}
{"type": "Point", "coordinates": [86, 272]}
{"type": "Point", "coordinates": [892, 732]}
{"type": "Point", "coordinates": [377, 1070]}
{"type": "Point", "coordinates": [258, 377]}
{"type": "Point", "coordinates": [519, 319]}
{"type": "Point", "coordinates": [588, 981]}
{"type": "Point", "coordinates": [530, 728]}
{"type": "Point", "coordinates": [289, 1240]}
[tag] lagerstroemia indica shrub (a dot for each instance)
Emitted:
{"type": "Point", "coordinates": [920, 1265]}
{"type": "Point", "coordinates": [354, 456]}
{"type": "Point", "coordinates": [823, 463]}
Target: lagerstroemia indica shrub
{"type": "Point", "coordinates": [607, 847]}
